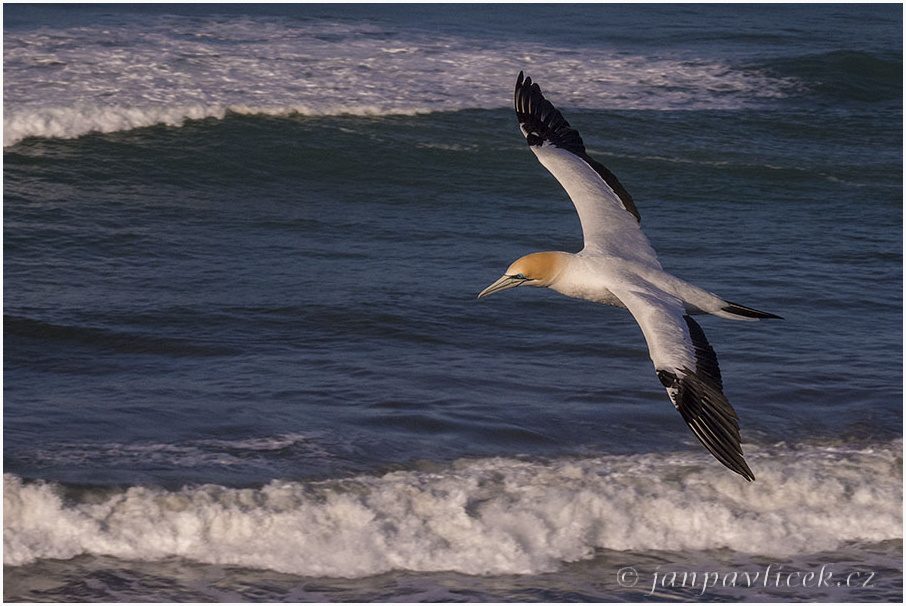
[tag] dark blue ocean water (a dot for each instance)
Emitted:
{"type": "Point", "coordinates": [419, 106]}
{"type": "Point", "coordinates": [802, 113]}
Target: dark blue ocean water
{"type": "Point", "coordinates": [243, 359]}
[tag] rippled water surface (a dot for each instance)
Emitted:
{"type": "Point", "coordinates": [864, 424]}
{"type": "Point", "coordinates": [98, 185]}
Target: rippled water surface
{"type": "Point", "coordinates": [243, 359]}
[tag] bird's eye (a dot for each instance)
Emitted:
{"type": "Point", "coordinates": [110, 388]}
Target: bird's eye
{"type": "Point", "coordinates": [520, 276]}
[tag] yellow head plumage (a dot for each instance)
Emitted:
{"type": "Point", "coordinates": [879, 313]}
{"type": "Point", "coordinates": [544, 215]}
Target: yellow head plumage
{"type": "Point", "coordinates": [536, 269]}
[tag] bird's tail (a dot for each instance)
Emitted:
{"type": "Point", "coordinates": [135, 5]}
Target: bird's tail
{"type": "Point", "coordinates": [700, 301]}
{"type": "Point", "coordinates": [734, 311]}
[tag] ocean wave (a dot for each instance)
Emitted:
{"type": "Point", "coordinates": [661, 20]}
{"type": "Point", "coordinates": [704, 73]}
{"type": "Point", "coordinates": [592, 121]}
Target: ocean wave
{"type": "Point", "coordinates": [491, 516]}
{"type": "Point", "coordinates": [843, 75]}
{"type": "Point", "coordinates": [70, 82]}
{"type": "Point", "coordinates": [208, 453]}
{"type": "Point", "coordinates": [115, 342]}
{"type": "Point", "coordinates": [73, 122]}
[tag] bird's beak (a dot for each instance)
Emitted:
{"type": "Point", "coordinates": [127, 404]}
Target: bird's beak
{"type": "Point", "coordinates": [502, 284]}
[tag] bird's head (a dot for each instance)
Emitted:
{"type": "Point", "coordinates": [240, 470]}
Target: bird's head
{"type": "Point", "coordinates": [536, 269]}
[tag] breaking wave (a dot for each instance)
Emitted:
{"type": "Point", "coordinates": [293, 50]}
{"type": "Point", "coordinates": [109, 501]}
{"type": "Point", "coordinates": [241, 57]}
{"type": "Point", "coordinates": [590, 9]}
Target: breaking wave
{"type": "Point", "coordinates": [167, 70]}
{"type": "Point", "coordinates": [491, 516]}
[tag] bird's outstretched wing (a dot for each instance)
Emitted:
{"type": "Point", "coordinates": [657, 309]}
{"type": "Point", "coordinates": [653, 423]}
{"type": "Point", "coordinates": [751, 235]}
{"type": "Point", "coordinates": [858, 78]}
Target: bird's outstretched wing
{"type": "Point", "coordinates": [687, 367]}
{"type": "Point", "coordinates": [609, 217]}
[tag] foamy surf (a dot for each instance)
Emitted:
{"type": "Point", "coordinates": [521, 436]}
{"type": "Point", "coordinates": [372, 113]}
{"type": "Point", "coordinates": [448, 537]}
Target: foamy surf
{"type": "Point", "coordinates": [167, 70]}
{"type": "Point", "coordinates": [481, 517]}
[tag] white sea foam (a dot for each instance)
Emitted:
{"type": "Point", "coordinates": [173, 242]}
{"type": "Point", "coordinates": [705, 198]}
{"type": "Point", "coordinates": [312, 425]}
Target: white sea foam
{"type": "Point", "coordinates": [493, 516]}
{"type": "Point", "coordinates": [166, 70]}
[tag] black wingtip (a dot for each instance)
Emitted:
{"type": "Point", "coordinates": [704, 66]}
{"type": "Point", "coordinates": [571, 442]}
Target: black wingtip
{"type": "Point", "coordinates": [541, 122]}
{"type": "Point", "coordinates": [709, 415]}
{"type": "Point", "coordinates": [699, 398]}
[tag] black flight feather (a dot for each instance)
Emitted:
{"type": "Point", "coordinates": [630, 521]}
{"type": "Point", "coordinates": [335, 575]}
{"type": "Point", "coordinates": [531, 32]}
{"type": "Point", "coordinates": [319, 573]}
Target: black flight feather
{"type": "Point", "coordinates": [698, 396]}
{"type": "Point", "coordinates": [544, 122]}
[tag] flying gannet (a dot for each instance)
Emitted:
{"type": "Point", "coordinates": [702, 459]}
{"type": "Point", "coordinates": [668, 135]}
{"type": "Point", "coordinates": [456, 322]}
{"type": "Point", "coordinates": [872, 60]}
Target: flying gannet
{"type": "Point", "coordinates": [618, 266]}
